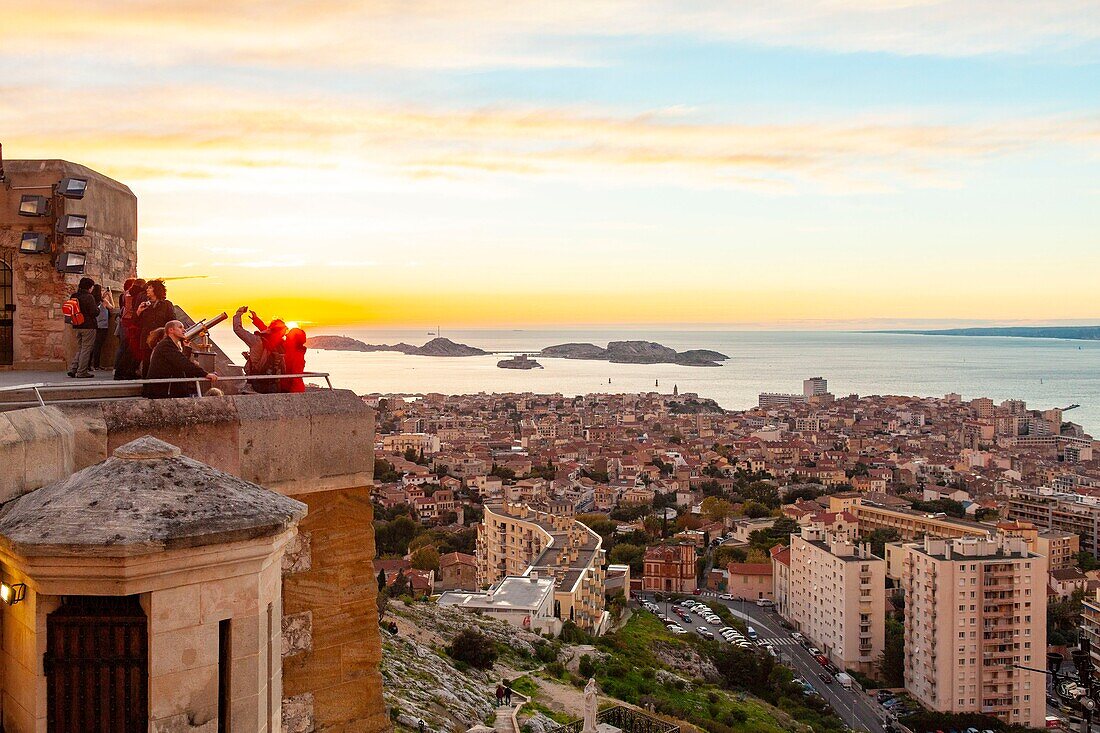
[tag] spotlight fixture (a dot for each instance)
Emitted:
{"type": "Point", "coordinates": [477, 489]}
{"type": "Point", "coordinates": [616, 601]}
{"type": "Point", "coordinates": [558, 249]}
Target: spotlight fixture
{"type": "Point", "coordinates": [72, 263]}
{"type": "Point", "coordinates": [31, 205]}
{"type": "Point", "coordinates": [72, 225]}
{"type": "Point", "coordinates": [34, 243]}
{"type": "Point", "coordinates": [72, 188]}
{"type": "Point", "coordinates": [12, 594]}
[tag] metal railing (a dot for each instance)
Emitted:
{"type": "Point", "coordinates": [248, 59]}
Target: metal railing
{"type": "Point", "coordinates": [41, 390]}
{"type": "Point", "coordinates": [629, 720]}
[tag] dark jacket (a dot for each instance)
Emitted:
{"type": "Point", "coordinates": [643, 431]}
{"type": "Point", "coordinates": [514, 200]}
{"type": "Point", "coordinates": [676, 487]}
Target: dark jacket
{"type": "Point", "coordinates": [155, 316]}
{"type": "Point", "coordinates": [168, 362]}
{"type": "Point", "coordinates": [88, 307]}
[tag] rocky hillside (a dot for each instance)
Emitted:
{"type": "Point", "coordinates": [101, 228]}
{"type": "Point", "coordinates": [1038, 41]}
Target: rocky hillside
{"type": "Point", "coordinates": [642, 664]}
{"type": "Point", "coordinates": [635, 352]}
{"type": "Point", "coordinates": [435, 347]}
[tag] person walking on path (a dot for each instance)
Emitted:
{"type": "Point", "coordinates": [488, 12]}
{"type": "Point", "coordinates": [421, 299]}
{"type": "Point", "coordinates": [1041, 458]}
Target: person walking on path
{"type": "Point", "coordinates": [508, 693]}
{"type": "Point", "coordinates": [500, 695]}
{"type": "Point", "coordinates": [85, 330]}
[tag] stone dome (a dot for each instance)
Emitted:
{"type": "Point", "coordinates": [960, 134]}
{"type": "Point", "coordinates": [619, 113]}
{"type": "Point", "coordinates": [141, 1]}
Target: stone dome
{"type": "Point", "coordinates": [145, 498]}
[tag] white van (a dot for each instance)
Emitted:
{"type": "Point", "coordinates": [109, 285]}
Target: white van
{"type": "Point", "coordinates": [765, 602]}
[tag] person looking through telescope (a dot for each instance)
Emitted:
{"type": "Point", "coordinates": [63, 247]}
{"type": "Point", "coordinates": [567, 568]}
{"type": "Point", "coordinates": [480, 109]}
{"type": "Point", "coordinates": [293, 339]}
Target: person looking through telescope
{"type": "Point", "coordinates": [169, 362]}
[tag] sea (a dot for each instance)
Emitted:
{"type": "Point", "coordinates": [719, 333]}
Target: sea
{"type": "Point", "coordinates": [1045, 372]}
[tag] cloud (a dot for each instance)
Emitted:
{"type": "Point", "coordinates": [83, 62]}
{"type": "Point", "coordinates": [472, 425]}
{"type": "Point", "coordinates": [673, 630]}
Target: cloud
{"type": "Point", "coordinates": [279, 142]}
{"type": "Point", "coordinates": [433, 34]}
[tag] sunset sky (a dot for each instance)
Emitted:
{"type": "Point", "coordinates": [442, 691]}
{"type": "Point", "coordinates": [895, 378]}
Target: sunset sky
{"type": "Point", "coordinates": [474, 163]}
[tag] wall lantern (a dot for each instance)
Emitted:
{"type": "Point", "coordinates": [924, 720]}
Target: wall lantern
{"type": "Point", "coordinates": [34, 243]}
{"type": "Point", "coordinates": [31, 205]}
{"type": "Point", "coordinates": [72, 225]}
{"type": "Point", "coordinates": [72, 263]}
{"type": "Point", "coordinates": [12, 594]}
{"type": "Point", "coordinates": [72, 188]}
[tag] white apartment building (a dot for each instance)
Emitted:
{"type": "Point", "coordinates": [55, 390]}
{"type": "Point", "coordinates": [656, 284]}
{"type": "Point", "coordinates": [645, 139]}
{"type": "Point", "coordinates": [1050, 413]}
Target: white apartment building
{"type": "Point", "coordinates": [814, 386]}
{"type": "Point", "coordinates": [837, 598]}
{"type": "Point", "coordinates": [975, 607]}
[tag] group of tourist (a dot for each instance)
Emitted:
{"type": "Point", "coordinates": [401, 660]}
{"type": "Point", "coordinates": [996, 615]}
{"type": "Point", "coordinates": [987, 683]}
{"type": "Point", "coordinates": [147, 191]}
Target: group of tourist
{"type": "Point", "coordinates": [151, 343]}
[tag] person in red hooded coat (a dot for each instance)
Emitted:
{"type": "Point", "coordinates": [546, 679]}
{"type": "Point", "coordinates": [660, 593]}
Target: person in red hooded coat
{"type": "Point", "coordinates": [294, 357]}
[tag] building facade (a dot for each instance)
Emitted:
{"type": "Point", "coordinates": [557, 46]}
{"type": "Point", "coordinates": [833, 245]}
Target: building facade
{"type": "Point", "coordinates": [974, 609]}
{"type": "Point", "coordinates": [515, 539]}
{"type": "Point", "coordinates": [33, 333]}
{"type": "Point", "coordinates": [670, 569]}
{"type": "Point", "coordinates": [837, 599]}
{"type": "Point", "coordinates": [750, 580]}
{"type": "Point", "coordinates": [1047, 508]}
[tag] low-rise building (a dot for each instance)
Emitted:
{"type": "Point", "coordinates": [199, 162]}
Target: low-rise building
{"type": "Point", "coordinates": [750, 580]}
{"type": "Point", "coordinates": [525, 602]}
{"type": "Point", "coordinates": [1048, 508]}
{"type": "Point", "coordinates": [457, 571]}
{"type": "Point", "coordinates": [670, 568]}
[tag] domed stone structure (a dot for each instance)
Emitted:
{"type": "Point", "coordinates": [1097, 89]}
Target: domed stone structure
{"type": "Point", "coordinates": [154, 580]}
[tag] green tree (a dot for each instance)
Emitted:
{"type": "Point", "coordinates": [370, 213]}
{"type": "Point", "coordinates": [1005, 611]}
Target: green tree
{"type": "Point", "coordinates": [755, 510]}
{"type": "Point", "coordinates": [764, 492]}
{"type": "Point", "coordinates": [393, 538]}
{"type": "Point", "coordinates": [426, 558]}
{"type": "Point", "coordinates": [879, 538]}
{"type": "Point", "coordinates": [381, 580]}
{"type": "Point", "coordinates": [891, 663]}
{"type": "Point", "coordinates": [1086, 561]}
{"type": "Point", "coordinates": [627, 554]}
{"type": "Point", "coordinates": [474, 648]}
{"type": "Point", "coordinates": [716, 509]}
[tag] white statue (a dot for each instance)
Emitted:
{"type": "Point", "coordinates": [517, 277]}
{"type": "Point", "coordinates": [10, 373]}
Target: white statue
{"type": "Point", "coordinates": [590, 705]}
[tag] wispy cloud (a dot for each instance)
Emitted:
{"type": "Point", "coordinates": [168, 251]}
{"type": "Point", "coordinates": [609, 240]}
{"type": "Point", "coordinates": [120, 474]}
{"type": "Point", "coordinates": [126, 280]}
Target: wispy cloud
{"type": "Point", "coordinates": [530, 33]}
{"type": "Point", "coordinates": [207, 133]}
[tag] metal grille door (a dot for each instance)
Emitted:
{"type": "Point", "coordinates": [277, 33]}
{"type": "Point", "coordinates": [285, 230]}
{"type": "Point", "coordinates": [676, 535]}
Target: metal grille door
{"type": "Point", "coordinates": [97, 659]}
{"type": "Point", "coordinates": [7, 311]}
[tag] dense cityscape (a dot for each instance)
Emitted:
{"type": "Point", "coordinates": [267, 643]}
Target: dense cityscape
{"type": "Point", "coordinates": [871, 527]}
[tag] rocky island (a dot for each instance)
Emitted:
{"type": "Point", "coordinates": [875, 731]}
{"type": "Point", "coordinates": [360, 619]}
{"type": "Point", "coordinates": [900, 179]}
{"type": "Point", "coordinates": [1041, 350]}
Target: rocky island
{"type": "Point", "coordinates": [635, 352]}
{"type": "Point", "coordinates": [519, 362]}
{"type": "Point", "coordinates": [436, 347]}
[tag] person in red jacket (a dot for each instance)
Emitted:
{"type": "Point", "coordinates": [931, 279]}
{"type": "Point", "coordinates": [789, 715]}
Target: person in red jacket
{"type": "Point", "coordinates": [294, 358]}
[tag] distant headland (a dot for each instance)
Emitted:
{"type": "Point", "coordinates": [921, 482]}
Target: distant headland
{"type": "Point", "coordinates": [616, 352]}
{"type": "Point", "coordinates": [1075, 333]}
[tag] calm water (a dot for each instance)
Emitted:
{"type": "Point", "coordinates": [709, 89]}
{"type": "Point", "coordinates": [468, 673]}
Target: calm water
{"type": "Point", "coordinates": [1046, 373]}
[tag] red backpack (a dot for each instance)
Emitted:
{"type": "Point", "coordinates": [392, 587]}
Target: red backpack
{"type": "Point", "coordinates": [71, 310]}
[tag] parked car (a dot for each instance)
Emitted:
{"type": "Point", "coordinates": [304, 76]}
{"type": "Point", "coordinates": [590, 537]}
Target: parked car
{"type": "Point", "coordinates": [798, 637]}
{"type": "Point", "coordinates": [705, 632]}
{"type": "Point", "coordinates": [726, 597]}
{"type": "Point", "coordinates": [765, 602]}
{"type": "Point", "coordinates": [825, 678]}
{"type": "Point", "coordinates": [677, 629]}
{"type": "Point", "coordinates": [751, 633]}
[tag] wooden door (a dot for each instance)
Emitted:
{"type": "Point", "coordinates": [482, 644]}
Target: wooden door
{"type": "Point", "coordinates": [97, 662]}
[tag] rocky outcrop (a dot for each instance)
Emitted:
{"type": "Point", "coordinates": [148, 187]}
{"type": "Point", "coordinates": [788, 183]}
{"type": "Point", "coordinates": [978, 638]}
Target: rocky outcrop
{"type": "Point", "coordinates": [635, 352]}
{"type": "Point", "coordinates": [435, 347]}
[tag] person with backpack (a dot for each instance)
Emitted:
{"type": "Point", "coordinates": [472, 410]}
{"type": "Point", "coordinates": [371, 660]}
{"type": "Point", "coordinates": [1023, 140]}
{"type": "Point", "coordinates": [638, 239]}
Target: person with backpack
{"type": "Point", "coordinates": [265, 350]}
{"type": "Point", "coordinates": [80, 311]}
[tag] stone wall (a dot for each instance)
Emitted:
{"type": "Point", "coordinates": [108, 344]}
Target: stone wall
{"type": "Point", "coordinates": [319, 448]}
{"type": "Point", "coordinates": [42, 340]}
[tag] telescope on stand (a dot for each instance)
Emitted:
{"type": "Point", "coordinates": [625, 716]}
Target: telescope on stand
{"type": "Point", "coordinates": [198, 336]}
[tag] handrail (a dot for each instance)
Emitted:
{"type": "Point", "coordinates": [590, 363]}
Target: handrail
{"type": "Point", "coordinates": [39, 387]}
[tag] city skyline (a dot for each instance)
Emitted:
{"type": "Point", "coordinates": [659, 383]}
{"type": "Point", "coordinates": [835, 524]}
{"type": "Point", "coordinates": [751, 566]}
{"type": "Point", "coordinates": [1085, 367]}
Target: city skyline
{"type": "Point", "coordinates": [599, 163]}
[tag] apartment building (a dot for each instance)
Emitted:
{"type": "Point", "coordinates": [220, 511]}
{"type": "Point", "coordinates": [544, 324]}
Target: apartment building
{"type": "Point", "coordinates": [836, 597]}
{"type": "Point", "coordinates": [975, 607]}
{"type": "Point", "coordinates": [418, 442]}
{"type": "Point", "coordinates": [781, 579]}
{"type": "Point", "coordinates": [1059, 510]}
{"type": "Point", "coordinates": [908, 523]}
{"type": "Point", "coordinates": [516, 539]}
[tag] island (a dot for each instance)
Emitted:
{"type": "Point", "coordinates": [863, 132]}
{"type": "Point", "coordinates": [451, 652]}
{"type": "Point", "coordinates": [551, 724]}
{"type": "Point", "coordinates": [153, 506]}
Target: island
{"type": "Point", "coordinates": [1074, 333]}
{"type": "Point", "coordinates": [436, 347]}
{"type": "Point", "coordinates": [519, 361]}
{"type": "Point", "coordinates": [635, 352]}
{"type": "Point", "coordinates": [616, 352]}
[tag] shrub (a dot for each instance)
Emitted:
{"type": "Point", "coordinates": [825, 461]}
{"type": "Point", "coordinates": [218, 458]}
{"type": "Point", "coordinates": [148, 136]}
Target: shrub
{"type": "Point", "coordinates": [586, 667]}
{"type": "Point", "coordinates": [555, 669]}
{"type": "Point", "coordinates": [473, 648]}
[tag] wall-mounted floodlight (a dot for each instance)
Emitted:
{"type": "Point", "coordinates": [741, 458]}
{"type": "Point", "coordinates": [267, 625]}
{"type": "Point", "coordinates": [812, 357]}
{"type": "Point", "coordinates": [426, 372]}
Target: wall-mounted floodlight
{"type": "Point", "coordinates": [34, 243]}
{"type": "Point", "coordinates": [72, 263]}
{"type": "Point", "coordinates": [12, 594]}
{"type": "Point", "coordinates": [72, 225]}
{"type": "Point", "coordinates": [31, 205]}
{"type": "Point", "coordinates": [72, 188]}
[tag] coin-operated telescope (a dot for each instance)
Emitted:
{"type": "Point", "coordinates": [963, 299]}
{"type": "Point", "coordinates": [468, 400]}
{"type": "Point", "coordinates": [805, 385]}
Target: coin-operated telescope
{"type": "Point", "coordinates": [198, 336]}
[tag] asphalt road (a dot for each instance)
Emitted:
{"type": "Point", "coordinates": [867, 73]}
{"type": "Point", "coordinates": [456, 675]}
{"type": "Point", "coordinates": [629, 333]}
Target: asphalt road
{"type": "Point", "coordinates": [858, 710]}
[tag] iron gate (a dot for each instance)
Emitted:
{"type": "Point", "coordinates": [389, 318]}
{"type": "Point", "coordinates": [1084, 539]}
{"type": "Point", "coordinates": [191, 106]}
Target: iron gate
{"type": "Point", "coordinates": [7, 310]}
{"type": "Point", "coordinates": [97, 660]}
